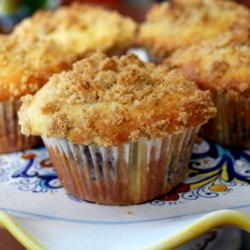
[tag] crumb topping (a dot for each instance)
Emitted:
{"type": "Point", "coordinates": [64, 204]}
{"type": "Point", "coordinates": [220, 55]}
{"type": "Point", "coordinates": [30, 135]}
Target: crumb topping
{"type": "Point", "coordinates": [49, 42]}
{"type": "Point", "coordinates": [81, 28]}
{"type": "Point", "coordinates": [26, 64]}
{"type": "Point", "coordinates": [109, 101]}
{"type": "Point", "coordinates": [220, 64]}
{"type": "Point", "coordinates": [181, 23]}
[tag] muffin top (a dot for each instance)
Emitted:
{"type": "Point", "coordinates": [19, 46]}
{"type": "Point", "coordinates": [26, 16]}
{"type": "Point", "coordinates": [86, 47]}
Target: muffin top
{"type": "Point", "coordinates": [180, 23]}
{"type": "Point", "coordinates": [81, 28]}
{"type": "Point", "coordinates": [109, 101]}
{"type": "Point", "coordinates": [221, 64]}
{"type": "Point", "coordinates": [26, 64]}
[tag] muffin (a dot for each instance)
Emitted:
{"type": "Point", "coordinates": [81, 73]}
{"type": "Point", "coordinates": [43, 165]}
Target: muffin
{"type": "Point", "coordinates": [81, 29]}
{"type": "Point", "coordinates": [47, 43]}
{"type": "Point", "coordinates": [118, 131]}
{"type": "Point", "coordinates": [222, 66]}
{"type": "Point", "coordinates": [181, 23]}
{"type": "Point", "coordinates": [25, 66]}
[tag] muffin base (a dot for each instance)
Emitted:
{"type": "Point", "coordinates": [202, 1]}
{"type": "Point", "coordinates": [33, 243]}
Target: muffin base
{"type": "Point", "coordinates": [11, 139]}
{"type": "Point", "coordinates": [122, 175]}
{"type": "Point", "coordinates": [231, 126]}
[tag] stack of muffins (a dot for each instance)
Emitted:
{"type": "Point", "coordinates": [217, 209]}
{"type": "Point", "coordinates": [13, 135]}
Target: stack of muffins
{"type": "Point", "coordinates": [120, 130]}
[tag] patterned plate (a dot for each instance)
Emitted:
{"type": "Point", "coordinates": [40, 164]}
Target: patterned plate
{"type": "Point", "coordinates": [218, 178]}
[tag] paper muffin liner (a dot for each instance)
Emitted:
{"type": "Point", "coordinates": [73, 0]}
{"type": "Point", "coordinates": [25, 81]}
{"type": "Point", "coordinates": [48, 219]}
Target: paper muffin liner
{"type": "Point", "coordinates": [128, 174]}
{"type": "Point", "coordinates": [154, 59]}
{"type": "Point", "coordinates": [231, 127]}
{"type": "Point", "coordinates": [11, 139]}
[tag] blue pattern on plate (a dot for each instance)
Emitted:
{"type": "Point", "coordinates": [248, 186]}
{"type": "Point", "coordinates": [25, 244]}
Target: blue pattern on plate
{"type": "Point", "coordinates": [213, 171]}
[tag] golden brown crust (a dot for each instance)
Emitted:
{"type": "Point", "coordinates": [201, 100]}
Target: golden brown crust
{"type": "Point", "coordinates": [50, 42]}
{"type": "Point", "coordinates": [26, 64]}
{"type": "Point", "coordinates": [180, 23]}
{"type": "Point", "coordinates": [109, 101]}
{"type": "Point", "coordinates": [81, 28]}
{"type": "Point", "coordinates": [220, 64]}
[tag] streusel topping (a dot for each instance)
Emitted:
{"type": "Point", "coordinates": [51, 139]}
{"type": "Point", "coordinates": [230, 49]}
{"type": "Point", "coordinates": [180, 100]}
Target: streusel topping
{"type": "Point", "coordinates": [221, 64]}
{"type": "Point", "coordinates": [181, 23]}
{"type": "Point", "coordinates": [26, 64]}
{"type": "Point", "coordinates": [109, 101]}
{"type": "Point", "coordinates": [81, 28]}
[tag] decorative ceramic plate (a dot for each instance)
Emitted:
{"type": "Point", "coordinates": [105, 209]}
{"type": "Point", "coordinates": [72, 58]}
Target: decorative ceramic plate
{"type": "Point", "coordinates": [218, 178]}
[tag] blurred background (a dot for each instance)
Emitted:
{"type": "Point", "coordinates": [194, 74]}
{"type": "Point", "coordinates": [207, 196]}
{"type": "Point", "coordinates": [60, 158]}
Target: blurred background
{"type": "Point", "coordinates": [12, 11]}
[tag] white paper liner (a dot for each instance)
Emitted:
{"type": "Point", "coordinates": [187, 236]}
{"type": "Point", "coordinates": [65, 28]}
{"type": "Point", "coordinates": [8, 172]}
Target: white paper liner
{"type": "Point", "coordinates": [11, 138]}
{"type": "Point", "coordinates": [231, 126]}
{"type": "Point", "coordinates": [128, 174]}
